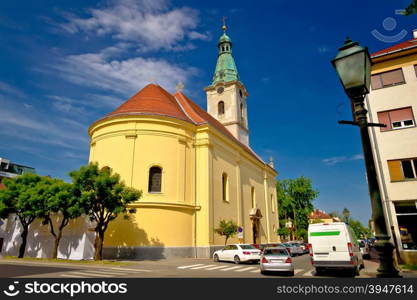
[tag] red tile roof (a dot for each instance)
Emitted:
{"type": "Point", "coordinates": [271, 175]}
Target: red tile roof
{"type": "Point", "coordinates": [396, 48]}
{"type": "Point", "coordinates": [154, 100]}
{"type": "Point", "coordinates": [318, 214]}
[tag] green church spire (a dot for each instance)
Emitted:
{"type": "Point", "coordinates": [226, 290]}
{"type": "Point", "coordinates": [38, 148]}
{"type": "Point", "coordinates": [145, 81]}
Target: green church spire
{"type": "Point", "coordinates": [226, 70]}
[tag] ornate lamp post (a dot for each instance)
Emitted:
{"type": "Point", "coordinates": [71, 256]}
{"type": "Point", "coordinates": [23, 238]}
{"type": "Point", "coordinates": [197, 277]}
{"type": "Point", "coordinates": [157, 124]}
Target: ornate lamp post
{"type": "Point", "coordinates": [353, 66]}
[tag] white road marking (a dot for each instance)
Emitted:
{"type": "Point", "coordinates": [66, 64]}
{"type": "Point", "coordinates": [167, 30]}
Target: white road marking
{"type": "Point", "coordinates": [307, 273]}
{"type": "Point", "coordinates": [246, 269]}
{"type": "Point", "coordinates": [256, 271]}
{"type": "Point", "coordinates": [217, 267]}
{"type": "Point", "coordinates": [127, 269]}
{"type": "Point", "coordinates": [185, 267]}
{"type": "Point", "coordinates": [231, 268]}
{"type": "Point", "coordinates": [202, 267]}
{"type": "Point", "coordinates": [298, 271]}
{"type": "Point", "coordinates": [73, 276]}
{"type": "Point", "coordinates": [89, 274]}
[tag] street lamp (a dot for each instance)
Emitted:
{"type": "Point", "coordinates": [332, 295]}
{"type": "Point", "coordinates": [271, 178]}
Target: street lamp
{"type": "Point", "coordinates": [353, 66]}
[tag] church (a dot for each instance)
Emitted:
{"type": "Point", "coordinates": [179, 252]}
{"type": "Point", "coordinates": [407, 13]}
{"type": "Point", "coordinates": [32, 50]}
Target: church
{"type": "Point", "coordinates": [194, 168]}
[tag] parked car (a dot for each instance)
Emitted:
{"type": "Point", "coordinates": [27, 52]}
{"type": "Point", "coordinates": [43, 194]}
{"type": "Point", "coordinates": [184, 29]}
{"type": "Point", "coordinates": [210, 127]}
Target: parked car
{"type": "Point", "coordinates": [237, 253]}
{"type": "Point", "coordinates": [260, 246]}
{"type": "Point", "coordinates": [276, 260]}
{"type": "Point", "coordinates": [365, 248]}
{"type": "Point", "coordinates": [295, 248]}
{"type": "Point", "coordinates": [333, 246]}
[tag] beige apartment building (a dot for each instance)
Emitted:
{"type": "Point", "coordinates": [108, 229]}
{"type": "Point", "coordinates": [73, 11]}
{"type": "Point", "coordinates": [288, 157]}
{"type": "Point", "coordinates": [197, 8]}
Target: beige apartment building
{"type": "Point", "coordinates": [393, 101]}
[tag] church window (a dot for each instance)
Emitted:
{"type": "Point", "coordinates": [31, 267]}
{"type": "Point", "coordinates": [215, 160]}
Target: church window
{"type": "Point", "coordinates": [221, 108]}
{"type": "Point", "coordinates": [225, 187]}
{"type": "Point", "coordinates": [155, 179]}
{"type": "Point", "coordinates": [252, 195]}
{"type": "Point", "coordinates": [240, 93]}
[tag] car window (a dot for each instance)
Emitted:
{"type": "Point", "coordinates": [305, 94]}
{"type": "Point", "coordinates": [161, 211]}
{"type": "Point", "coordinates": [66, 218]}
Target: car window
{"type": "Point", "coordinates": [226, 248]}
{"type": "Point", "coordinates": [247, 247]}
{"type": "Point", "coordinates": [234, 247]}
{"type": "Point", "coordinates": [276, 252]}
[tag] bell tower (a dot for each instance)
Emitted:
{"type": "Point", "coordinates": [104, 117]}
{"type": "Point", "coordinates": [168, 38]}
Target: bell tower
{"type": "Point", "coordinates": [226, 96]}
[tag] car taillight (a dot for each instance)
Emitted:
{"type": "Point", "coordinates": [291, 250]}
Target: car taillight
{"type": "Point", "coordinates": [310, 249]}
{"type": "Point", "coordinates": [264, 260]}
{"type": "Point", "coordinates": [350, 249]}
{"type": "Point", "coordinates": [289, 260]}
{"type": "Point", "coordinates": [246, 253]}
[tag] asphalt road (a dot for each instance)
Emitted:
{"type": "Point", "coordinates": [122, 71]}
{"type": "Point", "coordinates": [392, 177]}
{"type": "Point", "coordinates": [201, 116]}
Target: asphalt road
{"type": "Point", "coordinates": [184, 267]}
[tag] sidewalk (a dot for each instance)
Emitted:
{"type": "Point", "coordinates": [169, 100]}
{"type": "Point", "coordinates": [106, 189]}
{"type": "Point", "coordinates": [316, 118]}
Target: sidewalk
{"type": "Point", "coordinates": [371, 266]}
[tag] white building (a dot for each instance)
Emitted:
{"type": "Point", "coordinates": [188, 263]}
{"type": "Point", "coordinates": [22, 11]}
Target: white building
{"type": "Point", "coordinates": [393, 101]}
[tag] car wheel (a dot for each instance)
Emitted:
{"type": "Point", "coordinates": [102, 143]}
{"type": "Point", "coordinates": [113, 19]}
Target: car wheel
{"type": "Point", "coordinates": [263, 272]}
{"type": "Point", "coordinates": [236, 259]}
{"type": "Point", "coordinates": [291, 273]}
{"type": "Point", "coordinates": [216, 258]}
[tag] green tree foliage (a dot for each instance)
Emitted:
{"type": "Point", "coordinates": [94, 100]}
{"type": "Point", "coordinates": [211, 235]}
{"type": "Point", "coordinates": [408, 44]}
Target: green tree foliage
{"type": "Point", "coordinates": [25, 197]}
{"type": "Point", "coordinates": [227, 229]}
{"type": "Point", "coordinates": [295, 201]}
{"type": "Point", "coordinates": [411, 9]}
{"type": "Point", "coordinates": [346, 215]}
{"type": "Point", "coordinates": [103, 197]}
{"type": "Point", "coordinates": [62, 206]}
{"type": "Point", "coordinates": [359, 230]}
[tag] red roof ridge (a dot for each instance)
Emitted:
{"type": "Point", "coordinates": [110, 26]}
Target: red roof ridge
{"type": "Point", "coordinates": [396, 48]}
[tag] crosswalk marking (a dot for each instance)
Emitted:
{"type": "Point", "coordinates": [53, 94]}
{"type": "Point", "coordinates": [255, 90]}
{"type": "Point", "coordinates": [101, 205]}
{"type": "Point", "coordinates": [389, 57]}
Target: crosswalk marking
{"type": "Point", "coordinates": [298, 271]}
{"type": "Point", "coordinates": [218, 267]}
{"type": "Point", "coordinates": [186, 267]}
{"type": "Point", "coordinates": [255, 271]}
{"type": "Point", "coordinates": [307, 273]}
{"type": "Point", "coordinates": [127, 269]}
{"type": "Point", "coordinates": [231, 268]}
{"type": "Point", "coordinates": [89, 274]}
{"type": "Point", "coordinates": [202, 267]}
{"type": "Point", "coordinates": [246, 269]}
{"type": "Point", "coordinates": [73, 276]}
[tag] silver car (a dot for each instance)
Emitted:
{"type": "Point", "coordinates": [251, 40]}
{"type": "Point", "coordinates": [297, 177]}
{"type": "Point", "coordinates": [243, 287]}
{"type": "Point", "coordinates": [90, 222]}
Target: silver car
{"type": "Point", "coordinates": [276, 260]}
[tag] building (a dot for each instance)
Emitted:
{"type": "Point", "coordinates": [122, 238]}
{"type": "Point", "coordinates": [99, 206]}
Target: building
{"type": "Point", "coordinates": [195, 167]}
{"type": "Point", "coordinates": [320, 216]}
{"type": "Point", "coordinates": [393, 101]}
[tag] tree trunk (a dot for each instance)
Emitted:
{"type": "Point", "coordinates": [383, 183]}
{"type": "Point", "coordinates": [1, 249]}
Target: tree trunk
{"type": "Point", "coordinates": [24, 236]}
{"type": "Point", "coordinates": [56, 245]}
{"type": "Point", "coordinates": [98, 245]}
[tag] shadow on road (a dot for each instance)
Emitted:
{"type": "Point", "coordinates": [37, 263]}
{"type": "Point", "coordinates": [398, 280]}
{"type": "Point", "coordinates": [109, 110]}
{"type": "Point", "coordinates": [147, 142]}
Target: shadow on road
{"type": "Point", "coordinates": [8, 271]}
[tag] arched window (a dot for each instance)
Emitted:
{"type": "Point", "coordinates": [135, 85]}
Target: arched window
{"type": "Point", "coordinates": [252, 195]}
{"type": "Point", "coordinates": [155, 180]}
{"type": "Point", "coordinates": [225, 187]}
{"type": "Point", "coordinates": [220, 108]}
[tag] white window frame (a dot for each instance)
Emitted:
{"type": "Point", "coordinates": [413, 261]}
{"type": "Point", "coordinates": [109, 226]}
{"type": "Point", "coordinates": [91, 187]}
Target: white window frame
{"type": "Point", "coordinates": [402, 124]}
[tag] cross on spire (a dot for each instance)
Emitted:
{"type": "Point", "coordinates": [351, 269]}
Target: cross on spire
{"type": "Point", "coordinates": [224, 24]}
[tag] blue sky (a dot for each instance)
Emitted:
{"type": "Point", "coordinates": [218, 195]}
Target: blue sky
{"type": "Point", "coordinates": [64, 64]}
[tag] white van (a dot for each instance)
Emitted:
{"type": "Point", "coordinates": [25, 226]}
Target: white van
{"type": "Point", "coordinates": [334, 246]}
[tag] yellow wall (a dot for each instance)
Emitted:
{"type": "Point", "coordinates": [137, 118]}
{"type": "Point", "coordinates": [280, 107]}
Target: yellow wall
{"type": "Point", "coordinates": [193, 159]}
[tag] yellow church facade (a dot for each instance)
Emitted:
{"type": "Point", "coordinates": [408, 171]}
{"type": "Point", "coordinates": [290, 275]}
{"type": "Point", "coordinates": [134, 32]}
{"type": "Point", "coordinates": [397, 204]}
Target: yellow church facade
{"type": "Point", "coordinates": [193, 167]}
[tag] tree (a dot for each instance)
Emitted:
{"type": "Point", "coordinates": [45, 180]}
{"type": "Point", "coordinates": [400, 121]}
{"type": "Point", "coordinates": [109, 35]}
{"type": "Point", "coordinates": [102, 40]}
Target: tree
{"type": "Point", "coordinates": [227, 229]}
{"type": "Point", "coordinates": [346, 215]}
{"type": "Point", "coordinates": [411, 9]}
{"type": "Point", "coordinates": [24, 196]}
{"type": "Point", "coordinates": [60, 201]}
{"type": "Point", "coordinates": [359, 230]}
{"type": "Point", "coordinates": [295, 200]}
{"type": "Point", "coordinates": [103, 196]}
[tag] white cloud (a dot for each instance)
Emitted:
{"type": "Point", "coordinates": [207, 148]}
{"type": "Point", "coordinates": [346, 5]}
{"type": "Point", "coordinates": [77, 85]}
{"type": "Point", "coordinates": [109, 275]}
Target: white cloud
{"type": "Point", "coordinates": [7, 89]}
{"type": "Point", "coordinates": [322, 49]}
{"type": "Point", "coordinates": [125, 77]}
{"type": "Point", "coordinates": [150, 24]}
{"type": "Point", "coordinates": [339, 159]}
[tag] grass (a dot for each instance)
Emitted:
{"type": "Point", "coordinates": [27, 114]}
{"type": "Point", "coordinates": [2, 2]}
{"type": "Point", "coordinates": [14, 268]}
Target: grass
{"type": "Point", "coordinates": [59, 260]}
{"type": "Point", "coordinates": [409, 267]}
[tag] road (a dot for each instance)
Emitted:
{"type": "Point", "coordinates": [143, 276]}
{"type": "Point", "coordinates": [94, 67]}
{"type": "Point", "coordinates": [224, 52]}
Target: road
{"type": "Point", "coordinates": [181, 267]}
